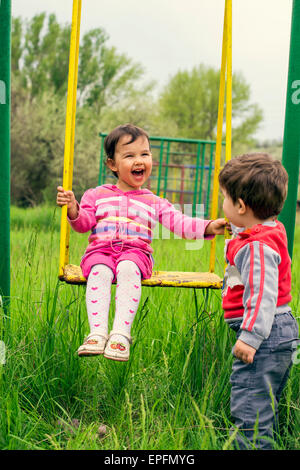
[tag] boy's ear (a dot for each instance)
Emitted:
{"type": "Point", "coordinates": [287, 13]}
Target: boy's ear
{"type": "Point", "coordinates": [242, 206]}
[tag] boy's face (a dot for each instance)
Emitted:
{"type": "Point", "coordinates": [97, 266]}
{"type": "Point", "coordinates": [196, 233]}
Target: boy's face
{"type": "Point", "coordinates": [233, 211]}
{"type": "Point", "coordinates": [132, 162]}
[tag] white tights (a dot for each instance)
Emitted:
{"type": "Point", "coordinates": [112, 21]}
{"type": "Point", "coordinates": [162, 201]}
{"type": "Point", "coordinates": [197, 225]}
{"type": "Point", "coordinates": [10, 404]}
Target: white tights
{"type": "Point", "coordinates": [98, 296]}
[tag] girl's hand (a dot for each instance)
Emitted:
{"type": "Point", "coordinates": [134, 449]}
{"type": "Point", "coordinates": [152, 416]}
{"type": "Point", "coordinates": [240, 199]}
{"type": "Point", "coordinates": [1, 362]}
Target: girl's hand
{"type": "Point", "coordinates": [244, 352]}
{"type": "Point", "coordinates": [216, 227]}
{"type": "Point", "coordinates": [67, 198]}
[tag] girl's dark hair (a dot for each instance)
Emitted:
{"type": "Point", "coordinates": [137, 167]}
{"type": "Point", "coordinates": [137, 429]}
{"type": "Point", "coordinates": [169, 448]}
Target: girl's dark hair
{"type": "Point", "coordinates": [111, 140]}
{"type": "Point", "coordinates": [259, 180]}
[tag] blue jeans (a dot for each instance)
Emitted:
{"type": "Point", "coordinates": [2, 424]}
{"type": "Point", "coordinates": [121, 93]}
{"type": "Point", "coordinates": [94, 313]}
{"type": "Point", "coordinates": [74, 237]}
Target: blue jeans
{"type": "Point", "coordinates": [256, 387]}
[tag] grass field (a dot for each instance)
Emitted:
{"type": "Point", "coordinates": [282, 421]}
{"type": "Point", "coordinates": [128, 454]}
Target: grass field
{"type": "Point", "coordinates": [172, 394]}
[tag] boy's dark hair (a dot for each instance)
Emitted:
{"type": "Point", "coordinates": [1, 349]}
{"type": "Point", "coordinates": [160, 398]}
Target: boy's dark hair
{"type": "Point", "coordinates": [259, 180]}
{"type": "Point", "coordinates": [111, 140]}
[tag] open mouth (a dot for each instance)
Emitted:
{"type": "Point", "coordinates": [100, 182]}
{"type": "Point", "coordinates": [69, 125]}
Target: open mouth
{"type": "Point", "coordinates": [138, 172]}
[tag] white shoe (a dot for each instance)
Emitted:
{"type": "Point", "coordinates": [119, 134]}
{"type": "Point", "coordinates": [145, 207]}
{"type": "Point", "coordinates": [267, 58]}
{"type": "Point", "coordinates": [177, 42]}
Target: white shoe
{"type": "Point", "coordinates": [93, 345]}
{"type": "Point", "coordinates": [118, 348]}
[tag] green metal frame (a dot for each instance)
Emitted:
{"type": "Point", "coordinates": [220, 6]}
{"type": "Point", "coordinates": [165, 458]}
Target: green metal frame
{"type": "Point", "coordinates": [164, 151]}
{"type": "Point", "coordinates": [291, 141]}
{"type": "Point", "coordinates": [5, 59]}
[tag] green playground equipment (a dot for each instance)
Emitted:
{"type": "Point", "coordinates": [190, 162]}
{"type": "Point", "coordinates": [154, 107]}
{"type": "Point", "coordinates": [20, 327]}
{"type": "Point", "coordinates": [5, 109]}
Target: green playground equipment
{"type": "Point", "coordinates": [291, 141]}
{"type": "Point", "coordinates": [5, 41]}
{"type": "Point", "coordinates": [182, 171]}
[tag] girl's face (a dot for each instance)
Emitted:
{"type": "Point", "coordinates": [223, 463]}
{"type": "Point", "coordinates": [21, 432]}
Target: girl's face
{"type": "Point", "coordinates": [132, 162]}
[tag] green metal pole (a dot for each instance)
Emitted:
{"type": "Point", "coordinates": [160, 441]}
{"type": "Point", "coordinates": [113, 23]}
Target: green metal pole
{"type": "Point", "coordinates": [100, 177]}
{"type": "Point", "coordinates": [166, 169]}
{"type": "Point", "coordinates": [196, 179]}
{"type": "Point", "coordinates": [201, 174]}
{"type": "Point", "coordinates": [291, 140]}
{"type": "Point", "coordinates": [206, 212]}
{"type": "Point", "coordinates": [161, 156]}
{"type": "Point", "coordinates": [5, 29]}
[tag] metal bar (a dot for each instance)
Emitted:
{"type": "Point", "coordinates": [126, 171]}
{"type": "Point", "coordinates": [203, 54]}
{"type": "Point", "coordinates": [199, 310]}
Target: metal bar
{"type": "Point", "coordinates": [161, 155]}
{"type": "Point", "coordinates": [291, 141]}
{"type": "Point", "coordinates": [229, 83]}
{"type": "Point", "coordinates": [100, 178]}
{"type": "Point", "coordinates": [196, 179]}
{"type": "Point", "coordinates": [70, 132]}
{"type": "Point", "coordinates": [209, 179]}
{"type": "Point", "coordinates": [5, 110]}
{"type": "Point", "coordinates": [74, 96]}
{"type": "Point", "coordinates": [175, 165]}
{"type": "Point", "coordinates": [179, 190]}
{"type": "Point", "coordinates": [105, 174]}
{"type": "Point", "coordinates": [166, 168]}
{"type": "Point", "coordinates": [214, 209]}
{"type": "Point", "coordinates": [201, 175]}
{"type": "Point", "coordinates": [228, 94]}
{"type": "Point", "coordinates": [182, 187]}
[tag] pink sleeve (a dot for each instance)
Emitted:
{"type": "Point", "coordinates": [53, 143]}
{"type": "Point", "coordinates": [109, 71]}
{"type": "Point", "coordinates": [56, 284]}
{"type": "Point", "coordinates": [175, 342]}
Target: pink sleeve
{"type": "Point", "coordinates": [182, 225]}
{"type": "Point", "coordinates": [86, 219]}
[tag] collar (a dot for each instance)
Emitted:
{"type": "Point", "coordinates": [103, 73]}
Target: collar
{"type": "Point", "coordinates": [257, 228]}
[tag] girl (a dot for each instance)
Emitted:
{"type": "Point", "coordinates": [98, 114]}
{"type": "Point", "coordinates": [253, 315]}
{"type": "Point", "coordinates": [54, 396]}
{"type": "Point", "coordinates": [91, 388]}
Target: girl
{"type": "Point", "coordinates": [121, 218]}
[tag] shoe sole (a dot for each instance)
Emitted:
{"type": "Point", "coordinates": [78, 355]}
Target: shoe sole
{"type": "Point", "coordinates": [118, 359]}
{"type": "Point", "coordinates": [89, 353]}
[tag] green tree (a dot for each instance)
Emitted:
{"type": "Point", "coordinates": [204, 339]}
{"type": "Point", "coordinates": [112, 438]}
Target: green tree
{"type": "Point", "coordinates": [37, 127]}
{"type": "Point", "coordinates": [104, 76]}
{"type": "Point", "coordinates": [40, 56]}
{"type": "Point", "coordinates": [191, 100]}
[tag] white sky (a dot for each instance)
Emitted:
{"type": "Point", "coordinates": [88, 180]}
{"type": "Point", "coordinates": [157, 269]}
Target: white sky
{"type": "Point", "coordinates": [167, 35]}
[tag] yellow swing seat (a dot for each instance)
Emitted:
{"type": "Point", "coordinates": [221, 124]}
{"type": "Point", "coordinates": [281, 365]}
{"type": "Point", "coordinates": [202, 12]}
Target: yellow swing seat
{"type": "Point", "coordinates": [73, 275]}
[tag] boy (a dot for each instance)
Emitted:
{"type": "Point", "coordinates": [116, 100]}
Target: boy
{"type": "Point", "coordinates": [256, 293]}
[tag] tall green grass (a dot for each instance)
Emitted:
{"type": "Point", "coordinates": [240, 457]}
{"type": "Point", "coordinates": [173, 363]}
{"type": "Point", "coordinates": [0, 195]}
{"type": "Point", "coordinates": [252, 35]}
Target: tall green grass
{"type": "Point", "coordinates": [172, 394]}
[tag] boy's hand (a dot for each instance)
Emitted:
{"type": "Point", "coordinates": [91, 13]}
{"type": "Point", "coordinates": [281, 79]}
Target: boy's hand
{"type": "Point", "coordinates": [216, 227]}
{"type": "Point", "coordinates": [244, 352]}
{"type": "Point", "coordinates": [67, 198]}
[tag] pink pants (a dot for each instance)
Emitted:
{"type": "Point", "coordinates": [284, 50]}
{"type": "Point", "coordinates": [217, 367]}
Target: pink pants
{"type": "Point", "coordinates": [111, 257]}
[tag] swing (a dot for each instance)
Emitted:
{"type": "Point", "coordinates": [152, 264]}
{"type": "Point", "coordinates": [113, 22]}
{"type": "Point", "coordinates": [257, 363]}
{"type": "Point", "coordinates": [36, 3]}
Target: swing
{"type": "Point", "coordinates": [72, 274]}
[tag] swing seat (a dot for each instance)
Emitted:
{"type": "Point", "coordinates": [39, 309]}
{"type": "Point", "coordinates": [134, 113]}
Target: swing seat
{"type": "Point", "coordinates": [73, 275]}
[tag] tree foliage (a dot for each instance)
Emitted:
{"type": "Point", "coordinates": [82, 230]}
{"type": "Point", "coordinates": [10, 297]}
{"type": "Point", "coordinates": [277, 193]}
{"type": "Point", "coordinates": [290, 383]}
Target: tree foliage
{"type": "Point", "coordinates": [191, 100]}
{"type": "Point", "coordinates": [40, 56]}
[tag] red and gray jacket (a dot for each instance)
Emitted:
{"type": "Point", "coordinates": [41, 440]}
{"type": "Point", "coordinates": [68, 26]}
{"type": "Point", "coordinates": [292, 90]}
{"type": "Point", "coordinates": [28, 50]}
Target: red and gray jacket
{"type": "Point", "coordinates": [257, 282]}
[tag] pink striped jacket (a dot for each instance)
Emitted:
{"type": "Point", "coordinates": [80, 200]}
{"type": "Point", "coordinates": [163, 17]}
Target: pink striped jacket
{"type": "Point", "coordinates": [113, 215]}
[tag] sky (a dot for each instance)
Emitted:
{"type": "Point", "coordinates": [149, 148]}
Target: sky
{"type": "Point", "coordinates": [165, 36]}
